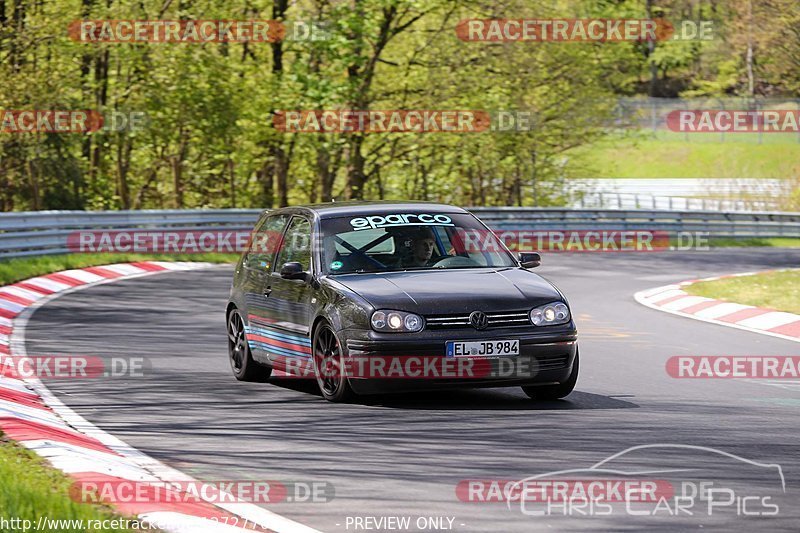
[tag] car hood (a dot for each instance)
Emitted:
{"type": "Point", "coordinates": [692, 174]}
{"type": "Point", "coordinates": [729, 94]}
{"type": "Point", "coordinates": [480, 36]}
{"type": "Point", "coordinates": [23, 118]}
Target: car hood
{"type": "Point", "coordinates": [452, 291]}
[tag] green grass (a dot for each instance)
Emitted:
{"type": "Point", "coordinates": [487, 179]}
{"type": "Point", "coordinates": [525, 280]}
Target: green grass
{"type": "Point", "coordinates": [777, 242]}
{"type": "Point", "coordinates": [30, 489]}
{"type": "Point", "coordinates": [23, 268]}
{"type": "Point", "coordinates": [777, 290]}
{"type": "Point", "coordinates": [703, 156]}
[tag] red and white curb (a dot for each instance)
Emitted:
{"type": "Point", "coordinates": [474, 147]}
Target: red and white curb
{"type": "Point", "coordinates": [31, 415]}
{"type": "Point", "coordinates": [673, 299]}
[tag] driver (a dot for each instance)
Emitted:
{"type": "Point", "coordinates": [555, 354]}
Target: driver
{"type": "Point", "coordinates": [421, 243]}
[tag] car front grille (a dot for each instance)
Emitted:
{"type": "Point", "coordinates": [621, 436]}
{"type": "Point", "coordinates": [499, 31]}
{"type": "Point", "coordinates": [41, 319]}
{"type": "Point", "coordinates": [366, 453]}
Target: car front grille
{"type": "Point", "coordinates": [505, 319]}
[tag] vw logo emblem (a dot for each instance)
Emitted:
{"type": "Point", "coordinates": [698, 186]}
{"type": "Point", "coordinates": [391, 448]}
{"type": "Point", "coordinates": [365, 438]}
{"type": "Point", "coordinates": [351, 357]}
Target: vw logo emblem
{"type": "Point", "coordinates": [479, 320]}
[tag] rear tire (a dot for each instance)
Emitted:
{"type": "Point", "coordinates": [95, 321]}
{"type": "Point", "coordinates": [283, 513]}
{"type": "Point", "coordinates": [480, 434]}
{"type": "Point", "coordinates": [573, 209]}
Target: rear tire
{"type": "Point", "coordinates": [555, 392]}
{"type": "Point", "coordinates": [244, 367]}
{"type": "Point", "coordinates": [329, 365]}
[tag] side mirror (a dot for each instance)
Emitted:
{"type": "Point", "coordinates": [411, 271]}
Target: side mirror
{"type": "Point", "coordinates": [530, 259]}
{"type": "Point", "coordinates": [293, 270]}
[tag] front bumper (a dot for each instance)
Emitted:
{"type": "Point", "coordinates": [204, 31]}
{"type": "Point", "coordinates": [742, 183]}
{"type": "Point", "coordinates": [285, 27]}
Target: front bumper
{"type": "Point", "coordinates": [546, 357]}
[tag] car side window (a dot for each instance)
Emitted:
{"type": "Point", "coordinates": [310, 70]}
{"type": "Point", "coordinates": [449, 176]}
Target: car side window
{"type": "Point", "coordinates": [265, 242]}
{"type": "Point", "coordinates": [296, 246]}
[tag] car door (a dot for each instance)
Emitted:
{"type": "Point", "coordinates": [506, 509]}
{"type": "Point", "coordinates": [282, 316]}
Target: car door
{"type": "Point", "coordinates": [290, 299]}
{"type": "Point", "coordinates": [257, 268]}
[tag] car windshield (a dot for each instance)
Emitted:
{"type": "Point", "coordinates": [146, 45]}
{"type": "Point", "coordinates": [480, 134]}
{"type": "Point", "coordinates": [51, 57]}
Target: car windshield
{"type": "Point", "coordinates": [395, 241]}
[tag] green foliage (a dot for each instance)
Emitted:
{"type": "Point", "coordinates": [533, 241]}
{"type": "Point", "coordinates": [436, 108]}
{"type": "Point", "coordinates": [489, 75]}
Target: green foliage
{"type": "Point", "coordinates": [210, 138]}
{"type": "Point", "coordinates": [642, 154]}
{"type": "Point", "coordinates": [775, 290]}
{"type": "Point", "coordinates": [31, 489]}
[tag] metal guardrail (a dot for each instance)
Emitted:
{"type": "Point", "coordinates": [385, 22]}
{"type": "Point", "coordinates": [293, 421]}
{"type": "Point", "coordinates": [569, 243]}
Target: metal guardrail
{"type": "Point", "coordinates": [716, 224]}
{"type": "Point", "coordinates": [710, 223]}
{"type": "Point", "coordinates": [46, 232]}
{"type": "Point", "coordinates": [627, 200]}
{"type": "Point", "coordinates": [31, 233]}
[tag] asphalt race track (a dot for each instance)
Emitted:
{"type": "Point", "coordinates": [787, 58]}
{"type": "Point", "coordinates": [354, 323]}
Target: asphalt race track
{"type": "Point", "coordinates": [404, 455]}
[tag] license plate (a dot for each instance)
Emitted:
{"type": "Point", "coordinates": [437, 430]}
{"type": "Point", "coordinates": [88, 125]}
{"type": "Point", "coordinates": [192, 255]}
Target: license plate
{"type": "Point", "coordinates": [481, 348]}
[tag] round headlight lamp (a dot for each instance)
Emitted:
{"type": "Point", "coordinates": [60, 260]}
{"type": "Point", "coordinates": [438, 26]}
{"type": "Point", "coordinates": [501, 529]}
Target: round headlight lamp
{"type": "Point", "coordinates": [396, 321]}
{"type": "Point", "coordinates": [550, 314]}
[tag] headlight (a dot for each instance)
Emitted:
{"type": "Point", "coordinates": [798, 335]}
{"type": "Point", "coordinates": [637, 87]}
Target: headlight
{"type": "Point", "coordinates": [396, 321]}
{"type": "Point", "coordinates": [550, 314]}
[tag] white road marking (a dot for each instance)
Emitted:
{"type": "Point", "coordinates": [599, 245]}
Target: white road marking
{"type": "Point", "coordinates": [82, 275]}
{"type": "Point", "coordinates": [685, 302]}
{"type": "Point", "coordinates": [48, 284]}
{"type": "Point", "coordinates": [22, 293]}
{"type": "Point", "coordinates": [769, 320]}
{"type": "Point", "coordinates": [723, 309]}
{"type": "Point", "coordinates": [252, 513]}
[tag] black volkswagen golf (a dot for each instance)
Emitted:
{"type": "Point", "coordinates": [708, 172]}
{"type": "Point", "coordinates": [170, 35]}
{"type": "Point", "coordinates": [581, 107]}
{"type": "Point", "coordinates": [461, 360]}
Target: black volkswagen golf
{"type": "Point", "coordinates": [378, 297]}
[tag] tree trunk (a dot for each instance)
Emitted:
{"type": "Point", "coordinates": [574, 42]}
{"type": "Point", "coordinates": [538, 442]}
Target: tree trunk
{"type": "Point", "coordinates": [280, 170]}
{"type": "Point", "coordinates": [265, 178]}
{"type": "Point", "coordinates": [534, 180]}
{"type": "Point", "coordinates": [33, 178]}
{"type": "Point", "coordinates": [10, 158]}
{"type": "Point", "coordinates": [137, 203]}
{"type": "Point", "coordinates": [16, 57]}
{"type": "Point", "coordinates": [124, 147]}
{"type": "Point", "coordinates": [232, 178]}
{"type": "Point", "coordinates": [177, 181]}
{"type": "Point", "coordinates": [177, 169]}
{"type": "Point", "coordinates": [354, 190]}
{"type": "Point", "coordinates": [275, 169]}
{"type": "Point", "coordinates": [324, 175]}
{"type": "Point", "coordinates": [751, 82]}
{"type": "Point", "coordinates": [651, 48]}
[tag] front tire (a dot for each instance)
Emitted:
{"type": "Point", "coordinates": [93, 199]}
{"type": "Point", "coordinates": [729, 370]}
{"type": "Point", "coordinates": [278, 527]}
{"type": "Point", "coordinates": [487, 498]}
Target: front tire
{"type": "Point", "coordinates": [242, 363]}
{"type": "Point", "coordinates": [555, 392]}
{"type": "Point", "coordinates": [329, 365]}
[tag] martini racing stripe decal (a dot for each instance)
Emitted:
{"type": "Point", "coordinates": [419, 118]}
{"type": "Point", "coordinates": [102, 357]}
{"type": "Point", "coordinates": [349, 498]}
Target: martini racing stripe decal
{"type": "Point", "coordinates": [281, 343]}
{"type": "Point", "coordinates": [273, 350]}
{"type": "Point", "coordinates": [288, 337]}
